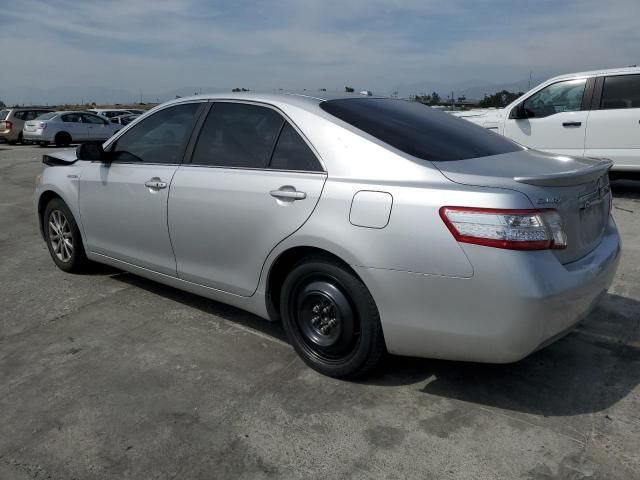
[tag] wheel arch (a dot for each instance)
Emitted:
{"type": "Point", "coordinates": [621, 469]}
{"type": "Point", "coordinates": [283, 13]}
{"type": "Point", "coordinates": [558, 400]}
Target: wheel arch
{"type": "Point", "coordinates": [61, 133]}
{"type": "Point", "coordinates": [44, 198]}
{"type": "Point", "coordinates": [283, 264]}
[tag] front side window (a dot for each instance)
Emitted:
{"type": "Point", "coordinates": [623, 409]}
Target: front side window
{"type": "Point", "coordinates": [160, 138]}
{"type": "Point", "coordinates": [621, 91]}
{"type": "Point", "coordinates": [556, 98]}
{"type": "Point", "coordinates": [292, 153]}
{"type": "Point", "coordinates": [419, 130]}
{"type": "Point", "coordinates": [72, 118]}
{"type": "Point", "coordinates": [237, 135]}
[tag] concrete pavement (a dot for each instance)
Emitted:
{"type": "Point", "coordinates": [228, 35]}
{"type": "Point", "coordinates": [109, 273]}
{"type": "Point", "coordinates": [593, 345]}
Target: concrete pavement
{"type": "Point", "coordinates": [110, 376]}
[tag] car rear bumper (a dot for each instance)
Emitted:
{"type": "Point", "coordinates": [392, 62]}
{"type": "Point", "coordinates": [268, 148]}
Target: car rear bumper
{"type": "Point", "coordinates": [36, 136]}
{"type": "Point", "coordinates": [515, 302]}
{"type": "Point", "coordinates": [9, 135]}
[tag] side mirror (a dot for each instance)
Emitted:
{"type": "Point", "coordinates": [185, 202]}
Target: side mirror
{"type": "Point", "coordinates": [518, 112]}
{"type": "Point", "coordinates": [91, 151]}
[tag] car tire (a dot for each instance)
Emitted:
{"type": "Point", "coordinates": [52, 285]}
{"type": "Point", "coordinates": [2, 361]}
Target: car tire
{"type": "Point", "coordinates": [63, 237]}
{"type": "Point", "coordinates": [331, 318]}
{"type": "Point", "coordinates": [62, 139]}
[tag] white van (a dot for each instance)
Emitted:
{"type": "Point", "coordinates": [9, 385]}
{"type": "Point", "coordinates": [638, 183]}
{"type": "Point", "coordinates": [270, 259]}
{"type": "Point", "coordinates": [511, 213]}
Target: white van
{"type": "Point", "coordinates": [591, 114]}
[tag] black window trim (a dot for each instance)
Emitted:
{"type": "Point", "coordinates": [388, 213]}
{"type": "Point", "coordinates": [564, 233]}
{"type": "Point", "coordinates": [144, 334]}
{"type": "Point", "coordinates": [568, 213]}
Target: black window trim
{"type": "Point", "coordinates": [188, 158]}
{"type": "Point", "coordinates": [583, 104]}
{"type": "Point", "coordinates": [587, 96]}
{"type": "Point", "coordinates": [599, 90]}
{"type": "Point", "coordinates": [113, 142]}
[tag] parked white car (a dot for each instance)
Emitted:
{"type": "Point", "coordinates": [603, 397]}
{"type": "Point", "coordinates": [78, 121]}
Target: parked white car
{"type": "Point", "coordinates": [63, 128]}
{"type": "Point", "coordinates": [591, 114]}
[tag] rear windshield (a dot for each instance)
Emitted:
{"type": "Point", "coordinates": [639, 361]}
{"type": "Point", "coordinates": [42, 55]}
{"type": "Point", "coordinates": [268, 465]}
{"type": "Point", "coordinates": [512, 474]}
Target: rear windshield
{"type": "Point", "coordinates": [4, 114]}
{"type": "Point", "coordinates": [47, 116]}
{"type": "Point", "coordinates": [419, 130]}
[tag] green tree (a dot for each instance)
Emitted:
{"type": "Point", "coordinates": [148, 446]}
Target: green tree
{"type": "Point", "coordinates": [2, 104]}
{"type": "Point", "coordinates": [433, 99]}
{"type": "Point", "coordinates": [500, 99]}
{"type": "Point", "coordinates": [348, 89]}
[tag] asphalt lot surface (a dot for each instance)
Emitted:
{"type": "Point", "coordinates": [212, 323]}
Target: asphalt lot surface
{"type": "Point", "coordinates": [112, 376]}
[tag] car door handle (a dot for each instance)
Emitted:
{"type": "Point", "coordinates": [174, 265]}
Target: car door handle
{"type": "Point", "coordinates": [571, 124]}
{"type": "Point", "coordinates": [288, 193]}
{"type": "Point", "coordinates": [155, 183]}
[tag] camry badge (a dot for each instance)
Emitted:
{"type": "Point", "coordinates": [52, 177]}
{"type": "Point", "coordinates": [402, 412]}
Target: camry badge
{"type": "Point", "coordinates": [553, 200]}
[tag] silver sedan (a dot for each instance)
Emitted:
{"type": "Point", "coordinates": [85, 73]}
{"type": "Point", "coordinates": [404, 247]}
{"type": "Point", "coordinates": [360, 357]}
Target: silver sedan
{"type": "Point", "coordinates": [63, 128]}
{"type": "Point", "coordinates": [366, 225]}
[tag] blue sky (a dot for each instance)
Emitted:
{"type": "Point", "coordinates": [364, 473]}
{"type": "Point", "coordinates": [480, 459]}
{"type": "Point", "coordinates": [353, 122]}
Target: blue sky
{"type": "Point", "coordinates": [61, 48]}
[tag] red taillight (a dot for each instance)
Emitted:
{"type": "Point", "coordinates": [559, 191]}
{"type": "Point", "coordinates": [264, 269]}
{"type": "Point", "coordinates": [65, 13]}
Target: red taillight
{"type": "Point", "coordinates": [509, 229]}
{"type": "Point", "coordinates": [7, 125]}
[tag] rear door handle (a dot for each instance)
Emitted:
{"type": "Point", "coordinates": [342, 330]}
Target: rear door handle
{"type": "Point", "coordinates": [155, 183]}
{"type": "Point", "coordinates": [571, 124]}
{"type": "Point", "coordinates": [288, 193]}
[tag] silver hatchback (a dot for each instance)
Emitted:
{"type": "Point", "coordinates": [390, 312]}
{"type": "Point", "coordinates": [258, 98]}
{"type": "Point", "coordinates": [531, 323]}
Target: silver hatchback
{"type": "Point", "coordinates": [367, 225]}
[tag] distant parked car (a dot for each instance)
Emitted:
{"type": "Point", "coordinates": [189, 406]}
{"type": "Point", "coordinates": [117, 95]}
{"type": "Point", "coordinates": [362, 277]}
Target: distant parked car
{"type": "Point", "coordinates": [110, 113]}
{"type": "Point", "coordinates": [590, 114]}
{"type": "Point", "coordinates": [63, 128]}
{"type": "Point", "coordinates": [136, 111]}
{"type": "Point", "coordinates": [124, 119]}
{"type": "Point", "coordinates": [12, 121]}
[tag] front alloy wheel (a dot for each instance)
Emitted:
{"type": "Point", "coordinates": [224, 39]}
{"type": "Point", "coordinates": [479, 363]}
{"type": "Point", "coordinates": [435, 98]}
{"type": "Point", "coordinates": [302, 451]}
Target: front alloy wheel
{"type": "Point", "coordinates": [63, 237]}
{"type": "Point", "coordinates": [60, 236]}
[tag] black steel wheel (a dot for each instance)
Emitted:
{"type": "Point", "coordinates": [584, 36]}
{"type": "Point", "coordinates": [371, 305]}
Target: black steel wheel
{"type": "Point", "coordinates": [62, 139]}
{"type": "Point", "coordinates": [331, 318]}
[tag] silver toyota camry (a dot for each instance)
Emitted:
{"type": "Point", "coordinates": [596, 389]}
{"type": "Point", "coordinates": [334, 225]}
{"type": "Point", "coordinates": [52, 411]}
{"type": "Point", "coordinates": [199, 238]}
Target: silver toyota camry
{"type": "Point", "coordinates": [366, 225]}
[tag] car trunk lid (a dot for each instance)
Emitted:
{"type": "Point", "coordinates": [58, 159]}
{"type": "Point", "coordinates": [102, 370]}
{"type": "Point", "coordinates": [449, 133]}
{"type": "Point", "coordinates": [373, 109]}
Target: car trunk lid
{"type": "Point", "coordinates": [31, 125]}
{"type": "Point", "coordinates": [578, 188]}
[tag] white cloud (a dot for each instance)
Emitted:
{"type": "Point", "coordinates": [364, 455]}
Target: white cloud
{"type": "Point", "coordinates": [168, 44]}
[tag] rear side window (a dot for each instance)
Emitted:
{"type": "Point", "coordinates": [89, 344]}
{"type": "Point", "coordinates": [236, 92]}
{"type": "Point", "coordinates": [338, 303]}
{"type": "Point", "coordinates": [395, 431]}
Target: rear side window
{"type": "Point", "coordinates": [95, 119]}
{"type": "Point", "coordinates": [72, 118]}
{"type": "Point", "coordinates": [622, 91]}
{"type": "Point", "coordinates": [20, 115]}
{"type": "Point", "coordinates": [419, 130]}
{"type": "Point", "coordinates": [4, 114]}
{"type": "Point", "coordinates": [32, 114]}
{"type": "Point", "coordinates": [160, 138]}
{"type": "Point", "coordinates": [237, 135]}
{"type": "Point", "coordinates": [292, 153]}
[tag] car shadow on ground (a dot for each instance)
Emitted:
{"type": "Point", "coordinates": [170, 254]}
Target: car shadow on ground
{"type": "Point", "coordinates": [226, 312]}
{"type": "Point", "coordinates": [629, 189]}
{"type": "Point", "coordinates": [587, 371]}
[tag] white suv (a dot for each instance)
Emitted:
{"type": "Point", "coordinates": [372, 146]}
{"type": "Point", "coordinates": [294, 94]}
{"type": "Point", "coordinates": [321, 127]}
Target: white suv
{"type": "Point", "coordinates": [591, 114]}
